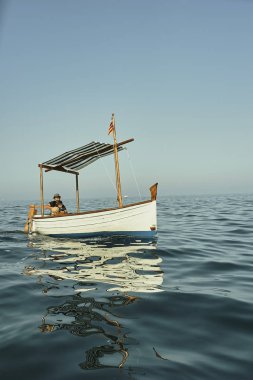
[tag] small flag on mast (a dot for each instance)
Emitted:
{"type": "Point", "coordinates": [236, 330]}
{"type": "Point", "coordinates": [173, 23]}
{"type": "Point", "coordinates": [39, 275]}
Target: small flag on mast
{"type": "Point", "coordinates": [111, 126]}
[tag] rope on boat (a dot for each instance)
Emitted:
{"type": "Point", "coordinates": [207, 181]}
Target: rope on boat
{"type": "Point", "coordinates": [133, 173]}
{"type": "Point", "coordinates": [105, 168]}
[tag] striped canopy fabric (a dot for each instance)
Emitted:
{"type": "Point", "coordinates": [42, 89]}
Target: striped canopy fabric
{"type": "Point", "coordinates": [79, 158]}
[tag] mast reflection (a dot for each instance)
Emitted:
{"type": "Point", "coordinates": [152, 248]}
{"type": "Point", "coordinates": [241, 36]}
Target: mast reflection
{"type": "Point", "coordinates": [87, 317]}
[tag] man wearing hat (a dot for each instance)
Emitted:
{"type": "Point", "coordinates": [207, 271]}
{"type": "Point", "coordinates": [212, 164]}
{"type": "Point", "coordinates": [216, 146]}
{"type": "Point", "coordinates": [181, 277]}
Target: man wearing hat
{"type": "Point", "coordinates": [56, 205]}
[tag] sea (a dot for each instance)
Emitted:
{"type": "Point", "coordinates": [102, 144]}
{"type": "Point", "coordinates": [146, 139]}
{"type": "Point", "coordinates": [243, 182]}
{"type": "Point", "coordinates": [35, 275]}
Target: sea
{"type": "Point", "coordinates": [179, 307]}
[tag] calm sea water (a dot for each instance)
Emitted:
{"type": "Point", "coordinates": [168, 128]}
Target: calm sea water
{"type": "Point", "coordinates": [179, 308]}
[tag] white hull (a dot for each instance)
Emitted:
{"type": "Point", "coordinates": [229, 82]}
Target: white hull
{"type": "Point", "coordinates": [134, 220]}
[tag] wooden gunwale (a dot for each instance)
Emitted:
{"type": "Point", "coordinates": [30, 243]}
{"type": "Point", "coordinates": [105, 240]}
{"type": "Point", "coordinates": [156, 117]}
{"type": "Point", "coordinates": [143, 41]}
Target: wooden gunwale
{"type": "Point", "coordinates": [94, 211]}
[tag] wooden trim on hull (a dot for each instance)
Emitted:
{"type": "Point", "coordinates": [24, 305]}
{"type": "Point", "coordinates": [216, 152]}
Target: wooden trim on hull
{"type": "Point", "coordinates": [93, 211]}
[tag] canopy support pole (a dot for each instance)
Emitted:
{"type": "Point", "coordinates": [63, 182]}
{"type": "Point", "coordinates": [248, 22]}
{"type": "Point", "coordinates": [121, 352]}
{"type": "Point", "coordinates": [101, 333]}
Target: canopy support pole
{"type": "Point", "coordinates": [41, 190]}
{"type": "Point", "coordinates": [77, 195]}
{"type": "Point", "coordinates": [116, 158]}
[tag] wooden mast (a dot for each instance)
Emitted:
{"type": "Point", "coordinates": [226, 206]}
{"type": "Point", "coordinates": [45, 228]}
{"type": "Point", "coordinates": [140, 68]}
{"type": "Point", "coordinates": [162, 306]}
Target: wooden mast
{"type": "Point", "coordinates": [116, 159]}
{"type": "Point", "coordinates": [77, 195]}
{"type": "Point", "coordinates": [41, 190]}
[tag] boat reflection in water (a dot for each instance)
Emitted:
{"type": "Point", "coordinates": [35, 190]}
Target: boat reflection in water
{"type": "Point", "coordinates": [70, 269]}
{"type": "Point", "coordinates": [125, 268]}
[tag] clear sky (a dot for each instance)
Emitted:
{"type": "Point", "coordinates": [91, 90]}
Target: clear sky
{"type": "Point", "coordinates": [178, 74]}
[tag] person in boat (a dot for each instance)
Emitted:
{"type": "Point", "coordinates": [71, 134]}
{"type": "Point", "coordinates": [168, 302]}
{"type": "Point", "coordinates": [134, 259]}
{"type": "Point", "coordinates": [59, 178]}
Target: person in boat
{"type": "Point", "coordinates": [56, 206]}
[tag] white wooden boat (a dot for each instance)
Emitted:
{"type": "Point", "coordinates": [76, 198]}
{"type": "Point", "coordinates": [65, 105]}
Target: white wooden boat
{"type": "Point", "coordinates": [136, 219]}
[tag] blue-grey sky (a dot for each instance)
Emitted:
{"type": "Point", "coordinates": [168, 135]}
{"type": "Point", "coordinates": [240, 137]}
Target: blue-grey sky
{"type": "Point", "coordinates": [176, 73]}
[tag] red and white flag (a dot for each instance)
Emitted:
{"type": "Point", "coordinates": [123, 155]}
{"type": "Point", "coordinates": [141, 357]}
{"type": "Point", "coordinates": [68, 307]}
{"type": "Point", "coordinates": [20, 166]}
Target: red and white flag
{"type": "Point", "coordinates": [111, 126]}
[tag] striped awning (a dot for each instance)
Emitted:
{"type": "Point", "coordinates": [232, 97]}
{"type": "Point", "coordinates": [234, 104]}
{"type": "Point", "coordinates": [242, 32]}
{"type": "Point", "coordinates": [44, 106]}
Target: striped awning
{"type": "Point", "coordinates": [74, 160]}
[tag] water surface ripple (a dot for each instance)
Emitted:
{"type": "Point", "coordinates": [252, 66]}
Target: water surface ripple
{"type": "Point", "coordinates": [177, 308]}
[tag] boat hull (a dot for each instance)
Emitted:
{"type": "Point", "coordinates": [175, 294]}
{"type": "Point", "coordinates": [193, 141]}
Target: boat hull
{"type": "Point", "coordinates": [136, 220]}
